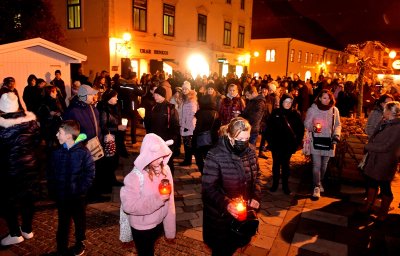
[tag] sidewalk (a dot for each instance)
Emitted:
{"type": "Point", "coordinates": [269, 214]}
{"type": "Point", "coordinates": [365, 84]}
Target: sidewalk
{"type": "Point", "coordinates": [290, 225]}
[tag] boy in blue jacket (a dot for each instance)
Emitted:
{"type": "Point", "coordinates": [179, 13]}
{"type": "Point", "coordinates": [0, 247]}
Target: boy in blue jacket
{"type": "Point", "coordinates": [70, 176]}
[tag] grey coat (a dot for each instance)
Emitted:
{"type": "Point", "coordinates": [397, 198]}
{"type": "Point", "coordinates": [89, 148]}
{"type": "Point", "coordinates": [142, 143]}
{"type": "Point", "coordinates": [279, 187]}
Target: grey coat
{"type": "Point", "coordinates": [383, 151]}
{"type": "Point", "coordinates": [324, 117]}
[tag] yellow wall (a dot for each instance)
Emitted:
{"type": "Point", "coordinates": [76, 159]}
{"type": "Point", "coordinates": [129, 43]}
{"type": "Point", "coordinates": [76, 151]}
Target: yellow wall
{"type": "Point", "coordinates": [105, 22]}
{"type": "Point", "coordinates": [282, 64]}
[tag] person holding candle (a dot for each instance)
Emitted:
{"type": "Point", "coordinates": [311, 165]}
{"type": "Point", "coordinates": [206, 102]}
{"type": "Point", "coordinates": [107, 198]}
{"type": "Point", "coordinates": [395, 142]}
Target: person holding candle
{"type": "Point", "coordinates": [323, 120]}
{"type": "Point", "coordinates": [147, 195]}
{"type": "Point", "coordinates": [230, 173]}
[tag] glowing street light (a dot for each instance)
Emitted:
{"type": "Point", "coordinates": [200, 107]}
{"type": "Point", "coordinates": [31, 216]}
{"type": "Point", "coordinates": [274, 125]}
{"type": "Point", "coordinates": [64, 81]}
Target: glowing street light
{"type": "Point", "coordinates": [392, 54]}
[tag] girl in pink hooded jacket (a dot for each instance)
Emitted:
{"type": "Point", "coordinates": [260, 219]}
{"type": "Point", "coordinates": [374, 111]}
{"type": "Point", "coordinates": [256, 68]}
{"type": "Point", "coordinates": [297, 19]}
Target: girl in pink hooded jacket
{"type": "Point", "coordinates": [149, 211]}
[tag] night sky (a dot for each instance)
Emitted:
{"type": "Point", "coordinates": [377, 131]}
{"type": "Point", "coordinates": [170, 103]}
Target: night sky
{"type": "Point", "coordinates": [334, 23]}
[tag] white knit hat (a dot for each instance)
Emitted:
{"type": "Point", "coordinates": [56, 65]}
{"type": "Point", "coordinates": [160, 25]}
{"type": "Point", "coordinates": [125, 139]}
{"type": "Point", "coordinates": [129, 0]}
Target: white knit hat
{"type": "Point", "coordinates": [186, 85]}
{"type": "Point", "coordinates": [9, 102]}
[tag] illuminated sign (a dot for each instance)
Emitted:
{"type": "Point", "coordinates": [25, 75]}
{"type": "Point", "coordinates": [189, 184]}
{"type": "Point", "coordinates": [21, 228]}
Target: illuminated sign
{"type": "Point", "coordinates": [396, 64]}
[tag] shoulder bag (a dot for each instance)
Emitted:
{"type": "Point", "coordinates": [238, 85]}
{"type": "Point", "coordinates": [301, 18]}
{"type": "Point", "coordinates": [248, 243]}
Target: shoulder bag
{"type": "Point", "coordinates": [94, 145]}
{"type": "Point", "coordinates": [324, 143]}
{"type": "Point", "coordinates": [125, 232]}
{"type": "Point", "coordinates": [205, 138]}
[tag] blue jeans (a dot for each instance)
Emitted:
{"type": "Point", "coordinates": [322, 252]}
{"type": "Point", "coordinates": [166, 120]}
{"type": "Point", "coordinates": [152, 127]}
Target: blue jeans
{"type": "Point", "coordinates": [320, 164]}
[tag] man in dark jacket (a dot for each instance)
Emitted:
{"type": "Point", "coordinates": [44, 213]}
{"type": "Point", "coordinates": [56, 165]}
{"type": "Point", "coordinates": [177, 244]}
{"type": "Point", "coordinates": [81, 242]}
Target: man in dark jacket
{"type": "Point", "coordinates": [164, 121]}
{"type": "Point", "coordinates": [19, 138]}
{"type": "Point", "coordinates": [129, 97]}
{"type": "Point", "coordinates": [254, 111]}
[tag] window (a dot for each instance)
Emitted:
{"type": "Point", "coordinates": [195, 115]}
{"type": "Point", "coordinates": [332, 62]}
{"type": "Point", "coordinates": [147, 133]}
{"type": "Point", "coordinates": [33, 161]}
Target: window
{"type": "Point", "coordinates": [317, 57]}
{"type": "Point", "coordinates": [306, 58]}
{"type": "Point", "coordinates": [202, 28]}
{"type": "Point", "coordinates": [242, 4]}
{"type": "Point", "coordinates": [74, 14]}
{"type": "Point", "coordinates": [311, 58]}
{"type": "Point", "coordinates": [299, 56]}
{"type": "Point", "coordinates": [270, 55]}
{"type": "Point", "coordinates": [241, 37]}
{"type": "Point", "coordinates": [227, 33]}
{"type": "Point", "coordinates": [291, 55]}
{"type": "Point", "coordinates": [139, 15]}
{"type": "Point", "coordinates": [228, 1]}
{"type": "Point", "coordinates": [169, 20]}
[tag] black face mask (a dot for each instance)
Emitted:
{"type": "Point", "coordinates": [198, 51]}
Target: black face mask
{"type": "Point", "coordinates": [240, 146]}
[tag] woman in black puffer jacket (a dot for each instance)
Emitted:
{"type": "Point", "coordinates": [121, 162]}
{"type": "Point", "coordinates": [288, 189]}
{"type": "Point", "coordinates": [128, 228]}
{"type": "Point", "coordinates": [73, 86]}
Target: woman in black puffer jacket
{"type": "Point", "coordinates": [19, 138]}
{"type": "Point", "coordinates": [230, 171]}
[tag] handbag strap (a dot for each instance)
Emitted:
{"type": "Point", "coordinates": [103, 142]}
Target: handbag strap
{"type": "Point", "coordinates": [290, 127]}
{"type": "Point", "coordinates": [333, 123]}
{"type": "Point", "coordinates": [94, 119]}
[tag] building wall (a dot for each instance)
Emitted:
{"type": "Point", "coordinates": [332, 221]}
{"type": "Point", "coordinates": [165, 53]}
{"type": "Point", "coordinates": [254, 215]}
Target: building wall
{"type": "Point", "coordinates": [284, 66]}
{"type": "Point", "coordinates": [34, 60]}
{"type": "Point", "coordinates": [105, 21]}
{"type": "Point", "coordinates": [92, 39]}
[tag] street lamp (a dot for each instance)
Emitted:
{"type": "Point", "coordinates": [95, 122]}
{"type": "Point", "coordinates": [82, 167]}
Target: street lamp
{"type": "Point", "coordinates": [123, 47]}
{"type": "Point", "coordinates": [392, 54]}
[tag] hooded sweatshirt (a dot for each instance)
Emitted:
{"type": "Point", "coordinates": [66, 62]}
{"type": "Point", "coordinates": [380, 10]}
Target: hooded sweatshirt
{"type": "Point", "coordinates": [143, 204]}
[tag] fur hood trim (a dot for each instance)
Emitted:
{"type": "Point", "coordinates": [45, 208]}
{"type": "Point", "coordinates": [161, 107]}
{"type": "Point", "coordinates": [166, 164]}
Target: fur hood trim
{"type": "Point", "coordinates": [6, 123]}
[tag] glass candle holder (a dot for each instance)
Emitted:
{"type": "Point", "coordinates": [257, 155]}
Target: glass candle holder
{"type": "Point", "coordinates": [124, 121]}
{"type": "Point", "coordinates": [165, 187]}
{"type": "Point", "coordinates": [241, 209]}
{"type": "Point", "coordinates": [318, 127]}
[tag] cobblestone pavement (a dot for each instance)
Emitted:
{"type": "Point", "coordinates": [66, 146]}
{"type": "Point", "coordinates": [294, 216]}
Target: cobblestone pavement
{"type": "Point", "coordinates": [290, 225]}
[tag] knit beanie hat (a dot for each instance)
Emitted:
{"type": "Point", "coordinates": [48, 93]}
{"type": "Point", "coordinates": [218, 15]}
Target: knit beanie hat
{"type": "Point", "coordinates": [161, 91]}
{"type": "Point", "coordinates": [186, 85]}
{"type": "Point", "coordinates": [153, 147]}
{"type": "Point", "coordinates": [9, 102]}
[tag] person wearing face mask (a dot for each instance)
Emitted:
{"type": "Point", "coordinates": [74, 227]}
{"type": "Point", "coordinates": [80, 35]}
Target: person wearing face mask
{"type": "Point", "coordinates": [231, 171]}
{"type": "Point", "coordinates": [232, 105]}
{"type": "Point", "coordinates": [150, 210]}
{"type": "Point", "coordinates": [323, 120]}
{"type": "Point", "coordinates": [284, 133]}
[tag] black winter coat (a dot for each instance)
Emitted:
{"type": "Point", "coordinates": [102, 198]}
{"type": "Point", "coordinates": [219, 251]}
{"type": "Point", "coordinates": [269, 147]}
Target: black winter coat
{"type": "Point", "coordinates": [285, 130]}
{"type": "Point", "coordinates": [164, 121]}
{"type": "Point", "coordinates": [19, 138]}
{"type": "Point", "coordinates": [207, 119]}
{"type": "Point", "coordinates": [226, 176]}
{"type": "Point", "coordinates": [71, 171]}
{"type": "Point", "coordinates": [254, 112]}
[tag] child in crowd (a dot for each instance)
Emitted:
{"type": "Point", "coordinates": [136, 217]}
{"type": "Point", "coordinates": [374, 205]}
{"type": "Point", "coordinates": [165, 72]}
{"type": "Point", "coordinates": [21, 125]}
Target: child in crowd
{"type": "Point", "coordinates": [71, 174]}
{"type": "Point", "coordinates": [149, 208]}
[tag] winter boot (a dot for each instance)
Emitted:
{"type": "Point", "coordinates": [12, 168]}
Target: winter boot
{"type": "Point", "coordinates": [369, 202]}
{"type": "Point", "coordinates": [384, 209]}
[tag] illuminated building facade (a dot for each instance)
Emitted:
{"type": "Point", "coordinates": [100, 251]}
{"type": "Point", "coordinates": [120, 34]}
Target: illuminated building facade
{"type": "Point", "coordinates": [145, 36]}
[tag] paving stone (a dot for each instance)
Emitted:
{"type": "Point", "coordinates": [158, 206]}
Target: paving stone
{"type": "Point", "coordinates": [276, 221]}
{"type": "Point", "coordinates": [255, 251]}
{"type": "Point", "coordinates": [196, 222]}
{"type": "Point", "coordinates": [192, 202]}
{"type": "Point", "coordinates": [325, 217]}
{"type": "Point", "coordinates": [279, 248]}
{"type": "Point", "coordinates": [315, 244]}
{"type": "Point", "coordinates": [194, 234]}
{"type": "Point", "coordinates": [268, 230]}
{"type": "Point", "coordinates": [186, 216]}
{"type": "Point", "coordinates": [261, 241]}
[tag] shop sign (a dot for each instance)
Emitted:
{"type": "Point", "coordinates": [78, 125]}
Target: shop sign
{"type": "Point", "coordinates": [396, 64]}
{"type": "Point", "coordinates": [160, 52]}
{"type": "Point", "coordinates": [147, 51]}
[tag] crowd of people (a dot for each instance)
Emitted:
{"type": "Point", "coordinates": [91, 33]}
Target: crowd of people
{"type": "Point", "coordinates": [217, 120]}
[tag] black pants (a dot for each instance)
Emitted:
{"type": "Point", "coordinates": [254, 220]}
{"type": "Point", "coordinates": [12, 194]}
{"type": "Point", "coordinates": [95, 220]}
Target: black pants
{"type": "Point", "coordinates": [72, 208]}
{"type": "Point", "coordinates": [19, 203]}
{"type": "Point", "coordinates": [280, 160]}
{"type": "Point", "coordinates": [145, 239]}
{"type": "Point", "coordinates": [200, 154]}
{"type": "Point", "coordinates": [384, 186]}
{"type": "Point", "coordinates": [187, 145]}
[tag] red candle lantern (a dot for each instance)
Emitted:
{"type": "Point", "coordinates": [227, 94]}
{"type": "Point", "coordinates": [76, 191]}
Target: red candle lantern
{"type": "Point", "coordinates": [241, 209]}
{"type": "Point", "coordinates": [318, 127]}
{"type": "Point", "coordinates": [164, 187]}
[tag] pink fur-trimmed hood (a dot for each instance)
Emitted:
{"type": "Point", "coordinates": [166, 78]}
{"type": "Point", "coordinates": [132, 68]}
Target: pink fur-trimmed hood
{"type": "Point", "coordinates": [153, 147]}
